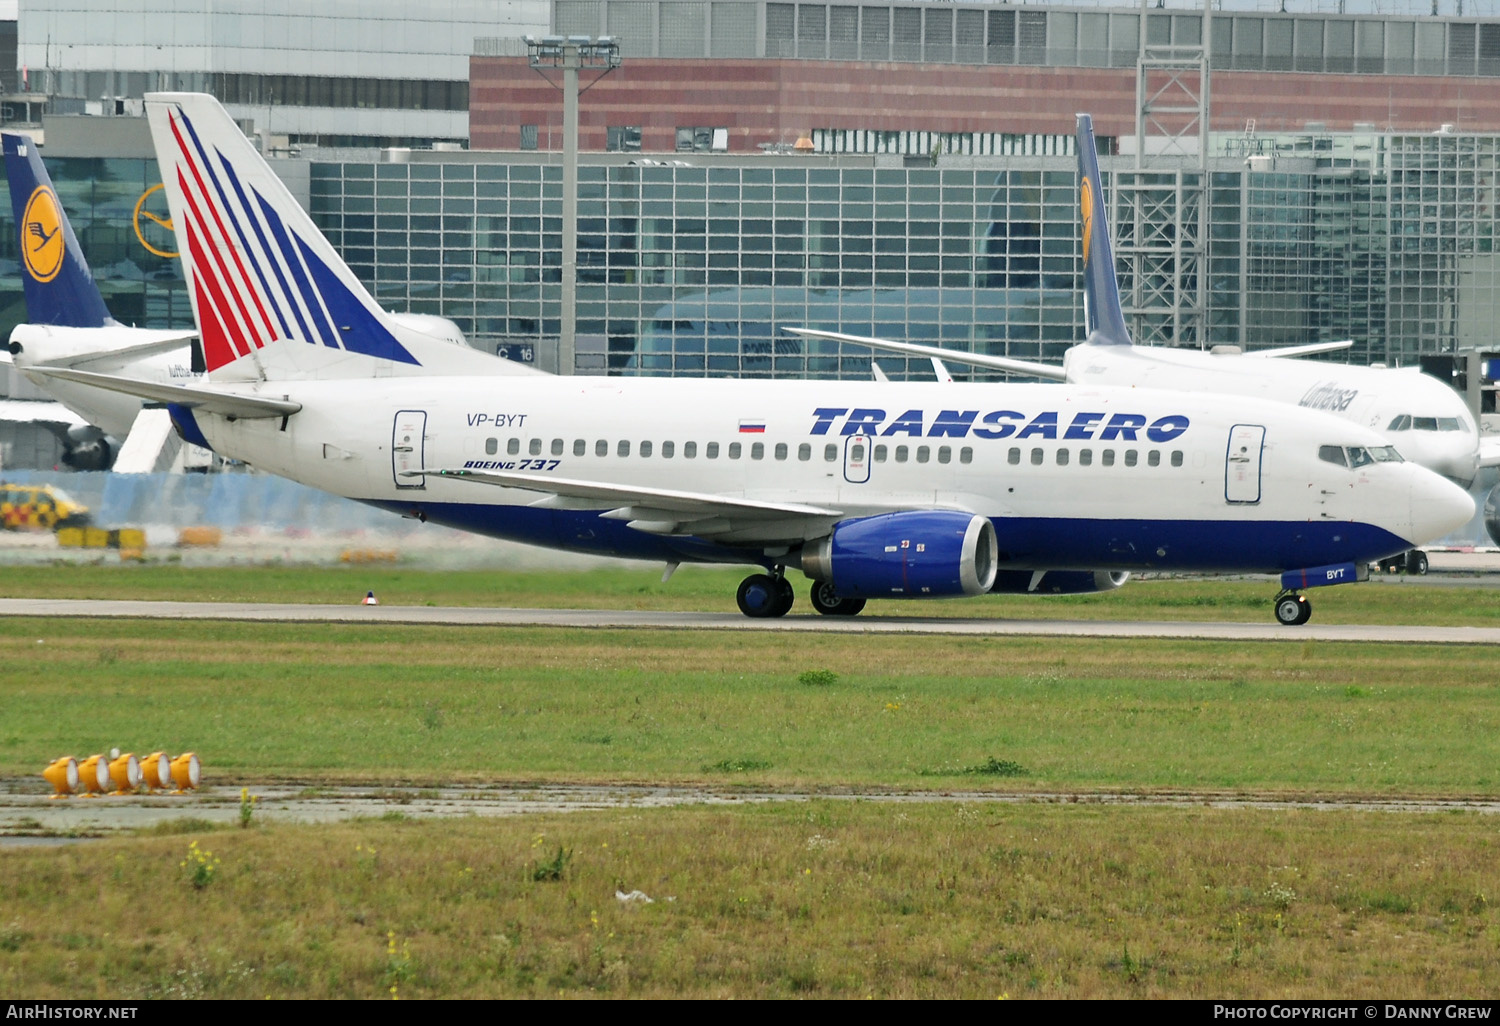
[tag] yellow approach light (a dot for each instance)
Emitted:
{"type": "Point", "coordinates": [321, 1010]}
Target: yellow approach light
{"type": "Point", "coordinates": [62, 774]}
{"type": "Point", "coordinates": [95, 773]}
{"type": "Point", "coordinates": [156, 771]}
{"type": "Point", "coordinates": [125, 771]}
{"type": "Point", "coordinates": [187, 771]}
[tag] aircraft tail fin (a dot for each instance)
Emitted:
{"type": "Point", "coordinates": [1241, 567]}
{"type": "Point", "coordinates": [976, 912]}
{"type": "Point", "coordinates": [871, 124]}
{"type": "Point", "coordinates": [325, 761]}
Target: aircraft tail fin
{"type": "Point", "coordinates": [58, 285]}
{"type": "Point", "coordinates": [1104, 318]}
{"type": "Point", "coordinates": [271, 297]}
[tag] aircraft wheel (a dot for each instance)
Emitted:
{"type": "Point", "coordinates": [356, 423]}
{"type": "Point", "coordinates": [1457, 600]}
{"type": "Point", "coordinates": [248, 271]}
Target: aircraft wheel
{"type": "Point", "coordinates": [1416, 562]}
{"type": "Point", "coordinates": [1292, 609]}
{"type": "Point", "coordinates": [760, 595]}
{"type": "Point", "coordinates": [786, 596]}
{"type": "Point", "coordinates": [830, 603]}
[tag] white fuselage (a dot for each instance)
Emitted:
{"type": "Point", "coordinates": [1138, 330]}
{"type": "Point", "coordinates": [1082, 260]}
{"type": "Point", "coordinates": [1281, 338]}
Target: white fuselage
{"type": "Point", "coordinates": [1438, 432]}
{"type": "Point", "coordinates": [1071, 476]}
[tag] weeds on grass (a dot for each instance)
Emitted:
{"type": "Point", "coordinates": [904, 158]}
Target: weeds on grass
{"type": "Point", "coordinates": [398, 965]}
{"type": "Point", "coordinates": [200, 866]}
{"type": "Point", "coordinates": [552, 869]}
{"type": "Point", "coordinates": [247, 806]}
{"type": "Point", "coordinates": [817, 678]}
{"type": "Point", "coordinates": [993, 767]}
{"type": "Point", "coordinates": [736, 766]}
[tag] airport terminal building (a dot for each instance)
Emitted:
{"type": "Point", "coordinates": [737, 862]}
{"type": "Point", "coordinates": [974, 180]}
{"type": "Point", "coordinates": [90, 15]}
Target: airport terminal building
{"type": "Point", "coordinates": [900, 169]}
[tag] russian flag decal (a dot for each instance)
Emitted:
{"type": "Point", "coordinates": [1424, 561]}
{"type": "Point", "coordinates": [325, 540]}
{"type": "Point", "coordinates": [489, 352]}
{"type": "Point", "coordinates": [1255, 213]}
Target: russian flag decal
{"type": "Point", "coordinates": [753, 427]}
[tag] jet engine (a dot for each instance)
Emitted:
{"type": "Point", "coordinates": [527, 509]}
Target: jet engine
{"type": "Point", "coordinates": [917, 554]}
{"type": "Point", "coordinates": [85, 447]}
{"type": "Point", "coordinates": [1057, 582]}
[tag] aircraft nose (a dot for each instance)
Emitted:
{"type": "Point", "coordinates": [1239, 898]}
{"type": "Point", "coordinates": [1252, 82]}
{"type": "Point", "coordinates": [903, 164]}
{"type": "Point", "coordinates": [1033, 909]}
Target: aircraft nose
{"type": "Point", "coordinates": [1438, 507]}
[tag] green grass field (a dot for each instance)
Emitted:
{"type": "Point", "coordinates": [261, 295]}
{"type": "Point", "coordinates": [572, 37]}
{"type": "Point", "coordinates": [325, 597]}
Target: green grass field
{"type": "Point", "coordinates": [827, 899]}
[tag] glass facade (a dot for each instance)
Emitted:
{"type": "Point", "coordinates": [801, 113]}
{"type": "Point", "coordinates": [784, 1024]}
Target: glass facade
{"type": "Point", "coordinates": [692, 270]}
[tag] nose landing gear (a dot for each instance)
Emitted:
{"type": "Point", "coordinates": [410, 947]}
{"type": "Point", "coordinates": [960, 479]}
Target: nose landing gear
{"type": "Point", "coordinates": [1292, 609]}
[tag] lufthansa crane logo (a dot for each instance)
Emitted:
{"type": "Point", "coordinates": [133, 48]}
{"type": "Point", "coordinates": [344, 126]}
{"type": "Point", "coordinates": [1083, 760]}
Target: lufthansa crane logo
{"type": "Point", "coordinates": [42, 236]}
{"type": "Point", "coordinates": [162, 222]}
{"type": "Point", "coordinates": [1086, 201]}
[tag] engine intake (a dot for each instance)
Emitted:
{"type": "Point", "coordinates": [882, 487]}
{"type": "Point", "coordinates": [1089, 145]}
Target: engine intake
{"type": "Point", "coordinates": [915, 554]}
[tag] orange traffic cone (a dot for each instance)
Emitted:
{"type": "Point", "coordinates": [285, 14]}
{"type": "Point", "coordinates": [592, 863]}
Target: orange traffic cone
{"type": "Point", "coordinates": [370, 599]}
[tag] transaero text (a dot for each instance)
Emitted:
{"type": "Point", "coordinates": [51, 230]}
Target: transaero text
{"type": "Point", "coordinates": [1083, 427]}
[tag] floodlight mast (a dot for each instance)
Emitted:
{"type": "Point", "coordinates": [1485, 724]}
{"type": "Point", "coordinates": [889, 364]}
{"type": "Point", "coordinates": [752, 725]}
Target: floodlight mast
{"type": "Point", "coordinates": [571, 54]}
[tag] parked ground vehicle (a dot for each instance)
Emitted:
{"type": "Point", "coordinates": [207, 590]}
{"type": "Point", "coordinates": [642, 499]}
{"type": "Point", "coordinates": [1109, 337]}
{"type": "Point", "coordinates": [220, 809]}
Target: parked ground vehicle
{"type": "Point", "coordinates": [39, 507]}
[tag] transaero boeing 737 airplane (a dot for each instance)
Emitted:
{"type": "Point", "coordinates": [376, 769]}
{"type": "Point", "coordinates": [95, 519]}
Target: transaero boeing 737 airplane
{"type": "Point", "coordinates": [871, 489]}
{"type": "Point", "coordinates": [1426, 419]}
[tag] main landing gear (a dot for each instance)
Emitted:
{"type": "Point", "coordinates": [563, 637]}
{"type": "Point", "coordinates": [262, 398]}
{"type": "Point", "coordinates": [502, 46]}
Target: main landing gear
{"type": "Point", "coordinates": [769, 595]}
{"type": "Point", "coordinates": [765, 595]}
{"type": "Point", "coordinates": [1292, 609]}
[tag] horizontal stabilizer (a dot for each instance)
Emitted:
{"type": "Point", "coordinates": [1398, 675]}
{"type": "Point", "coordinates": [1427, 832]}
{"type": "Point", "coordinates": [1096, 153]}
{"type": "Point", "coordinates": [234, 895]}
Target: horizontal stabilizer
{"type": "Point", "coordinates": [1310, 349]}
{"type": "Point", "coordinates": [169, 344]}
{"type": "Point", "coordinates": [994, 363]}
{"type": "Point", "coordinates": [208, 400]}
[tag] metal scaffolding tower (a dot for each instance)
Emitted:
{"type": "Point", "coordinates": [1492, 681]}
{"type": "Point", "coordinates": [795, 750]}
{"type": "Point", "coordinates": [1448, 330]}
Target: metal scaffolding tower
{"type": "Point", "coordinates": [1161, 205]}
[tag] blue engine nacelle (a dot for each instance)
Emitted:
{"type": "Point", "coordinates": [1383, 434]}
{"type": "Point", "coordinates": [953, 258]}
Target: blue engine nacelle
{"type": "Point", "coordinates": [1057, 582]}
{"type": "Point", "coordinates": [915, 554]}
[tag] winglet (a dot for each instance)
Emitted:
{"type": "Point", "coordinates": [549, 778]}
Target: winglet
{"type": "Point", "coordinates": [1103, 317]}
{"type": "Point", "coordinates": [59, 287]}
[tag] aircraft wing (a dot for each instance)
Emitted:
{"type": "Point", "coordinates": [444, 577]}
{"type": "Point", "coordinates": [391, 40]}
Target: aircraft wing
{"type": "Point", "coordinates": [996, 363]}
{"type": "Point", "coordinates": [228, 404]}
{"type": "Point", "coordinates": [1489, 450]}
{"type": "Point", "coordinates": [665, 511]}
{"type": "Point", "coordinates": [1306, 350]}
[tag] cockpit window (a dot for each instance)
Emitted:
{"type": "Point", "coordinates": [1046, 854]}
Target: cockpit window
{"type": "Point", "coordinates": [1359, 456]}
{"type": "Point", "coordinates": [1332, 454]}
{"type": "Point", "coordinates": [1401, 423]}
{"type": "Point", "coordinates": [1424, 423]}
{"type": "Point", "coordinates": [1449, 424]}
{"type": "Point", "coordinates": [1386, 454]}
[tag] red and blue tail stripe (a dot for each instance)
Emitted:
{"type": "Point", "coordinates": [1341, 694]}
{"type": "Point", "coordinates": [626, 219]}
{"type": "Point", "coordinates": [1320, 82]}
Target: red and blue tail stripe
{"type": "Point", "coordinates": [247, 284]}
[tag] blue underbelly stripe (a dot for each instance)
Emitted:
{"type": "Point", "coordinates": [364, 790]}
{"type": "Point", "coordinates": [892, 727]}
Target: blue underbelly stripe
{"type": "Point", "coordinates": [1063, 543]}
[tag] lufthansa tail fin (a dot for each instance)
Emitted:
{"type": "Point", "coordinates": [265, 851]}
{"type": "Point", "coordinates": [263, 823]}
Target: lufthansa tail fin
{"type": "Point", "coordinates": [1103, 317]}
{"type": "Point", "coordinates": [59, 288]}
{"type": "Point", "coordinates": [271, 297]}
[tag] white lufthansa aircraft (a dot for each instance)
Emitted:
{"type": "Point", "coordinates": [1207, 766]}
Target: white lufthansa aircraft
{"type": "Point", "coordinates": [69, 326]}
{"type": "Point", "coordinates": [1426, 419]}
{"type": "Point", "coordinates": [871, 489]}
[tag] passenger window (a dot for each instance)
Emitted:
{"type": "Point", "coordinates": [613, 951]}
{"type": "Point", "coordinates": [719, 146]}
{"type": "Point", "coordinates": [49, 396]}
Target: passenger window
{"type": "Point", "coordinates": [668, 449]}
{"type": "Point", "coordinates": [491, 446]}
{"type": "Point", "coordinates": [1036, 457]}
{"type": "Point", "coordinates": [879, 454]}
{"type": "Point", "coordinates": [1062, 457]}
{"type": "Point", "coordinates": [557, 446]}
{"type": "Point", "coordinates": [624, 448]}
{"type": "Point", "coordinates": [1176, 457]}
{"type": "Point", "coordinates": [804, 452]}
{"type": "Point", "coordinates": [535, 447]}
{"type": "Point", "coordinates": [734, 450]}
{"type": "Point", "coordinates": [580, 447]}
{"type": "Point", "coordinates": [780, 450]}
{"type": "Point", "coordinates": [645, 449]}
{"type": "Point", "coordinates": [1107, 457]}
{"type": "Point", "coordinates": [923, 452]}
{"type": "Point", "coordinates": [689, 450]}
{"type": "Point", "coordinates": [966, 454]}
{"type": "Point", "coordinates": [712, 450]}
{"type": "Point", "coordinates": [513, 446]}
{"type": "Point", "coordinates": [945, 454]}
{"type": "Point", "coordinates": [900, 454]}
{"type": "Point", "coordinates": [1085, 457]}
{"type": "Point", "coordinates": [1130, 457]}
{"type": "Point", "coordinates": [830, 453]}
{"type": "Point", "coordinates": [601, 448]}
{"type": "Point", "coordinates": [1154, 457]}
{"type": "Point", "coordinates": [757, 450]}
{"type": "Point", "coordinates": [1013, 457]}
